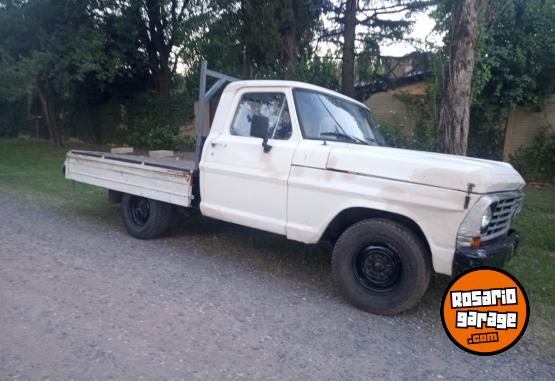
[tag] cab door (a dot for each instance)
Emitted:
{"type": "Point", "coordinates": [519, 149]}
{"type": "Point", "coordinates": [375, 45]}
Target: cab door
{"type": "Point", "coordinates": [240, 182]}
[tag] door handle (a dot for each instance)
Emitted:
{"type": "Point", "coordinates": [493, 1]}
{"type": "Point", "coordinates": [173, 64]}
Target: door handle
{"type": "Point", "coordinates": [216, 144]}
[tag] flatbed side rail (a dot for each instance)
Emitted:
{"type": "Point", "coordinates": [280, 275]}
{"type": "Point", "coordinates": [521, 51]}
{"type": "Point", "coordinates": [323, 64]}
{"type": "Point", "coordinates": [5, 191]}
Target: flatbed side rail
{"type": "Point", "coordinates": [204, 97]}
{"type": "Point", "coordinates": [146, 177]}
{"type": "Point", "coordinates": [179, 165]}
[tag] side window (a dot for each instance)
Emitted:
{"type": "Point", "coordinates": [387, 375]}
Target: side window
{"type": "Point", "coordinates": [270, 105]}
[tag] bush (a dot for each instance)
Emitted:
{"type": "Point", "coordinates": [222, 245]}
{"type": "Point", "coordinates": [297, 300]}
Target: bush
{"type": "Point", "coordinates": [394, 135]}
{"type": "Point", "coordinates": [318, 71]}
{"type": "Point", "coordinates": [537, 162]}
{"type": "Point", "coordinates": [486, 134]}
{"type": "Point", "coordinates": [13, 118]}
{"type": "Point", "coordinates": [422, 111]}
{"type": "Point", "coordinates": [154, 123]}
{"type": "Point", "coordinates": [421, 139]}
{"type": "Point", "coordinates": [425, 136]}
{"type": "Point", "coordinates": [185, 143]}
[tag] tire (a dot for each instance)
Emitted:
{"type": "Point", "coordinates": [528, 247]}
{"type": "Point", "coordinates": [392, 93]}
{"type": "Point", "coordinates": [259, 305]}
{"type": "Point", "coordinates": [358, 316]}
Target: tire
{"type": "Point", "coordinates": [145, 218]}
{"type": "Point", "coordinates": [381, 266]}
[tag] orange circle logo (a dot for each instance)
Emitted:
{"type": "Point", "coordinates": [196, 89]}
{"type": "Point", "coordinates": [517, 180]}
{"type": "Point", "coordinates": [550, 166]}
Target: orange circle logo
{"type": "Point", "coordinates": [485, 311]}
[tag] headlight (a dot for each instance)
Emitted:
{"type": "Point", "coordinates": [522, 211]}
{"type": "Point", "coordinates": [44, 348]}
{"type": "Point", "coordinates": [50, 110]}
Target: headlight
{"type": "Point", "coordinates": [476, 220]}
{"type": "Point", "coordinates": [486, 218]}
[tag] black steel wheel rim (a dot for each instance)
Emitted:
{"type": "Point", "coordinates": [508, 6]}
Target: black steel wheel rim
{"type": "Point", "coordinates": [140, 210]}
{"type": "Point", "coordinates": [377, 268]}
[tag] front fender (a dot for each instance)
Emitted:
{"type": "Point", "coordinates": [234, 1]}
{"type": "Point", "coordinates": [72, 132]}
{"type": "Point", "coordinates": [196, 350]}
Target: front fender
{"type": "Point", "coordinates": [317, 196]}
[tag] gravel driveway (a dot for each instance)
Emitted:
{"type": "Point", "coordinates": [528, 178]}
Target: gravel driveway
{"type": "Point", "coordinates": [80, 299]}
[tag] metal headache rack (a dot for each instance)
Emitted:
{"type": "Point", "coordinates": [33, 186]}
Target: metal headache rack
{"type": "Point", "coordinates": [204, 97]}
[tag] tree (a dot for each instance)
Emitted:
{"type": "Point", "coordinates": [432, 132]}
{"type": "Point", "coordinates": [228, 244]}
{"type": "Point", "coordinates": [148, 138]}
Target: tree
{"type": "Point", "coordinates": [514, 65]}
{"type": "Point", "coordinates": [360, 26]}
{"type": "Point", "coordinates": [49, 47]}
{"type": "Point", "coordinates": [454, 113]}
{"type": "Point", "coordinates": [161, 27]}
{"type": "Point", "coordinates": [514, 68]}
{"type": "Point", "coordinates": [348, 53]}
{"type": "Point", "coordinates": [514, 59]}
{"type": "Point", "coordinates": [278, 33]}
{"type": "Point", "coordinates": [257, 38]}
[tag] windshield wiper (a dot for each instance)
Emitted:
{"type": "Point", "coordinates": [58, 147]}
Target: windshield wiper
{"type": "Point", "coordinates": [343, 135]}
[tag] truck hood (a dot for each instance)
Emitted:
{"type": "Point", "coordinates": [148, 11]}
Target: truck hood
{"type": "Point", "coordinates": [426, 168]}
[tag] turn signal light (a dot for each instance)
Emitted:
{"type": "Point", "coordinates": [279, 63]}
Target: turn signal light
{"type": "Point", "coordinates": [475, 243]}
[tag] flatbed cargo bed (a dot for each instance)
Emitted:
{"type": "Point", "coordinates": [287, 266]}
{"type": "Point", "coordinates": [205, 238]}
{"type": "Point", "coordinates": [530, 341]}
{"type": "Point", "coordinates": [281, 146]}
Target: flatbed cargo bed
{"type": "Point", "coordinates": [163, 179]}
{"type": "Point", "coordinates": [164, 162]}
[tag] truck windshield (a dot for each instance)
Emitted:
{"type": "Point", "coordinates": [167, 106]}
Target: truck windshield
{"type": "Point", "coordinates": [325, 117]}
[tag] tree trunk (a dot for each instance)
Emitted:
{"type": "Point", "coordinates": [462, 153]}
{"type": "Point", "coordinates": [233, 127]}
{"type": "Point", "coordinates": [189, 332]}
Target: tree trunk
{"type": "Point", "coordinates": [290, 49]}
{"type": "Point", "coordinates": [349, 34]}
{"type": "Point", "coordinates": [290, 36]}
{"type": "Point", "coordinates": [49, 111]}
{"type": "Point", "coordinates": [152, 31]}
{"type": "Point", "coordinates": [454, 113]}
{"type": "Point", "coordinates": [163, 76]}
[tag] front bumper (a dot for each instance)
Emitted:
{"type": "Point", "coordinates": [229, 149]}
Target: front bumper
{"type": "Point", "coordinates": [494, 254]}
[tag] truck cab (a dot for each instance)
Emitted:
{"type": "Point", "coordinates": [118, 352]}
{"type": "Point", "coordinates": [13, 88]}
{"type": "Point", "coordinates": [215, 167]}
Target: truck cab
{"type": "Point", "coordinates": [310, 164]}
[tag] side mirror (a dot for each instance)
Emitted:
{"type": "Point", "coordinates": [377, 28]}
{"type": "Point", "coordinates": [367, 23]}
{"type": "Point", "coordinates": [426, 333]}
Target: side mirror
{"type": "Point", "coordinates": [259, 129]}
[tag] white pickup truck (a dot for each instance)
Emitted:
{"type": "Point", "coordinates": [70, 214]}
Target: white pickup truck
{"type": "Point", "coordinates": [310, 164]}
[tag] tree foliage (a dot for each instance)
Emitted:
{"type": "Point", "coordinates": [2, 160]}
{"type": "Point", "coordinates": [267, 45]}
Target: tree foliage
{"type": "Point", "coordinates": [48, 48]}
{"type": "Point", "coordinates": [515, 61]}
{"type": "Point", "coordinates": [262, 35]}
{"type": "Point", "coordinates": [74, 59]}
{"type": "Point", "coordinates": [58, 55]}
{"type": "Point", "coordinates": [358, 28]}
{"type": "Point", "coordinates": [537, 162]}
{"type": "Point", "coordinates": [514, 65]}
{"type": "Point", "coordinates": [163, 30]}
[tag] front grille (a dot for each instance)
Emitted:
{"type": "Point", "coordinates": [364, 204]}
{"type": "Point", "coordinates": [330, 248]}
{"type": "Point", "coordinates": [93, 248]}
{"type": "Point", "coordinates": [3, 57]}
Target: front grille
{"type": "Point", "coordinates": [503, 211]}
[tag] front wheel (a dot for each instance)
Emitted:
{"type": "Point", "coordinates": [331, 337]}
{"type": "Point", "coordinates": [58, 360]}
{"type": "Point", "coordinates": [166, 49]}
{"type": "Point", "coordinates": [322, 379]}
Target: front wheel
{"type": "Point", "coordinates": [381, 266]}
{"type": "Point", "coordinates": [145, 218]}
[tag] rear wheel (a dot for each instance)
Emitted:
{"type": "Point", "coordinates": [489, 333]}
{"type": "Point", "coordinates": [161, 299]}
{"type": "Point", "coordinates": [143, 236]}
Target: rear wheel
{"type": "Point", "coordinates": [145, 218]}
{"type": "Point", "coordinates": [381, 266]}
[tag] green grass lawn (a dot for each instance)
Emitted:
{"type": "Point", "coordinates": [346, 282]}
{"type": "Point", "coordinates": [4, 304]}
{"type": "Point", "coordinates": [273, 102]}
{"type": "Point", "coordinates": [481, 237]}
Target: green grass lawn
{"type": "Point", "coordinates": [33, 171]}
{"type": "Point", "coordinates": [534, 266]}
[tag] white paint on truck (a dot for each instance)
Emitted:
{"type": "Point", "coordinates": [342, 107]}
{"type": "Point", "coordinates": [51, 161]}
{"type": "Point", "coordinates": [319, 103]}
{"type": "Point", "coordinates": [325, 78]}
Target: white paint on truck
{"type": "Point", "coordinates": [301, 187]}
{"type": "Point", "coordinates": [170, 183]}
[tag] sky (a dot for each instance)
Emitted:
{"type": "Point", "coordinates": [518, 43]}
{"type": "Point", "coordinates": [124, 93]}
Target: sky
{"type": "Point", "coordinates": [422, 31]}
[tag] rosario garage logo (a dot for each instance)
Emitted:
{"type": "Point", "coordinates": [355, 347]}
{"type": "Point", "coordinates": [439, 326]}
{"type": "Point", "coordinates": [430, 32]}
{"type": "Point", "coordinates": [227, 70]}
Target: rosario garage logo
{"type": "Point", "coordinates": [485, 311]}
